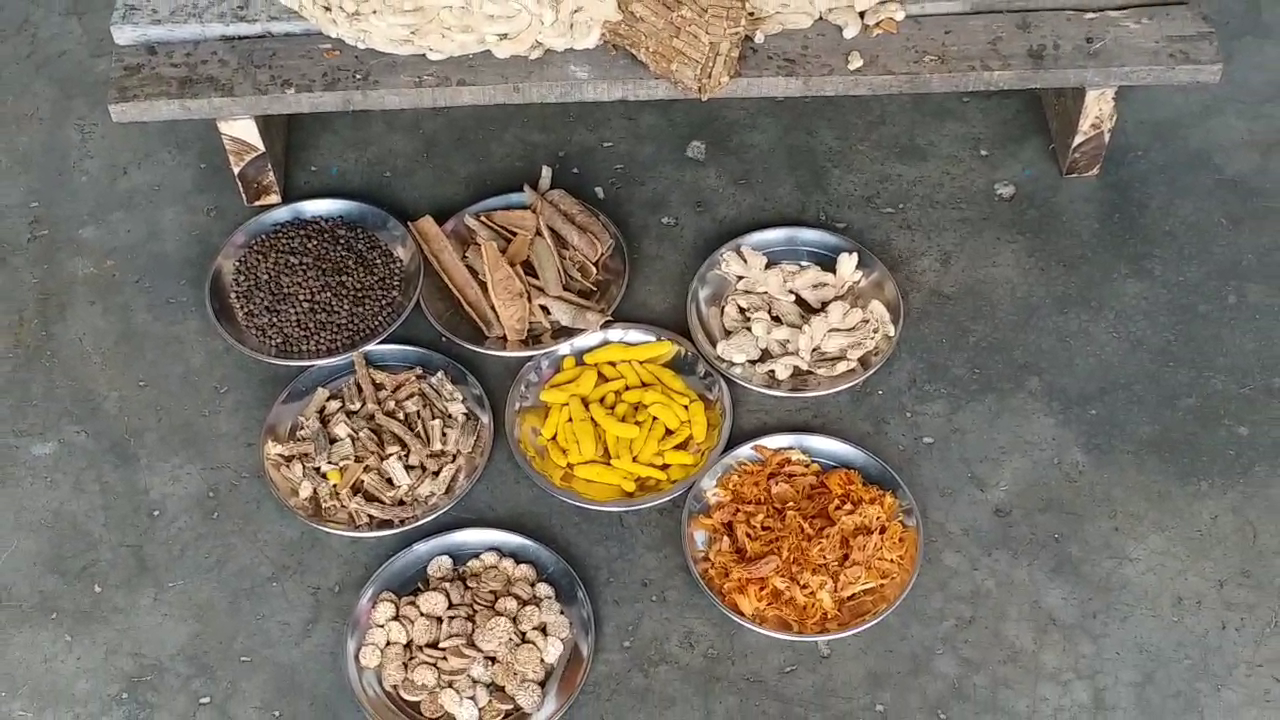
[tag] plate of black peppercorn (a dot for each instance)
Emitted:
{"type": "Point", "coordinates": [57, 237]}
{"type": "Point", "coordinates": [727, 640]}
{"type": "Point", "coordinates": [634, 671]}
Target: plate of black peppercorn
{"type": "Point", "coordinates": [314, 281]}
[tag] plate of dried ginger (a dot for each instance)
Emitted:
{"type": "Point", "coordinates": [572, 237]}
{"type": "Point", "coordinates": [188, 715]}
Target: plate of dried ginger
{"type": "Point", "coordinates": [802, 536]}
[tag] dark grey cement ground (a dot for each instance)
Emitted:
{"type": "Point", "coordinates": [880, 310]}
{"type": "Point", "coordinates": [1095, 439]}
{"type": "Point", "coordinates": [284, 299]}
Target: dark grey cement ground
{"type": "Point", "coordinates": [1097, 362]}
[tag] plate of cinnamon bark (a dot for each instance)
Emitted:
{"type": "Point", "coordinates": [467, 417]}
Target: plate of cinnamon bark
{"type": "Point", "coordinates": [521, 273]}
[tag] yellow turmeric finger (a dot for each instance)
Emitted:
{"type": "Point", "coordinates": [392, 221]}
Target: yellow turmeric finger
{"type": "Point", "coordinates": [646, 377]}
{"type": "Point", "coordinates": [552, 422]}
{"type": "Point", "coordinates": [620, 410]}
{"type": "Point", "coordinates": [585, 383]}
{"type": "Point", "coordinates": [605, 388]}
{"type": "Point", "coordinates": [609, 371]}
{"type": "Point", "coordinates": [610, 400]}
{"type": "Point", "coordinates": [604, 353]}
{"type": "Point", "coordinates": [637, 443]}
{"type": "Point", "coordinates": [629, 374]}
{"type": "Point", "coordinates": [642, 470]}
{"type": "Point", "coordinates": [564, 377]}
{"type": "Point", "coordinates": [601, 492]}
{"type": "Point", "coordinates": [679, 457]}
{"type": "Point", "coordinates": [554, 396]}
{"type": "Point", "coordinates": [652, 397]}
{"type": "Point", "coordinates": [585, 433]}
{"type": "Point", "coordinates": [698, 421]}
{"type": "Point", "coordinates": [666, 415]}
{"type": "Point", "coordinates": [671, 379]}
{"type": "Point", "coordinates": [612, 425]}
{"type": "Point", "coordinates": [674, 439]}
{"type": "Point", "coordinates": [601, 473]}
{"type": "Point", "coordinates": [556, 453]}
{"type": "Point", "coordinates": [569, 362]}
{"type": "Point", "coordinates": [651, 441]}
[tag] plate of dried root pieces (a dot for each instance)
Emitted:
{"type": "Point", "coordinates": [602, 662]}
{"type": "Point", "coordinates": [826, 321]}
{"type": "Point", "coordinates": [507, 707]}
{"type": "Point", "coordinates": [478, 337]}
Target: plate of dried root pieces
{"type": "Point", "coordinates": [802, 536]}
{"type": "Point", "coordinates": [794, 311]}
{"type": "Point", "coordinates": [379, 443]}
{"type": "Point", "coordinates": [473, 624]}
{"type": "Point", "coordinates": [518, 274]}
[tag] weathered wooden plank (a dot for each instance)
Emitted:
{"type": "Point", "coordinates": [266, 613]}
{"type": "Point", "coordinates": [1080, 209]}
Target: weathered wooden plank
{"type": "Point", "coordinates": [1080, 122]}
{"type": "Point", "coordinates": [256, 152]}
{"type": "Point", "coordinates": [139, 22]}
{"type": "Point", "coordinates": [280, 76]}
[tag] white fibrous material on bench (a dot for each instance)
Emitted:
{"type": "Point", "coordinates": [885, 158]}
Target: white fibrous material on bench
{"type": "Point", "coordinates": [440, 29]}
{"type": "Point", "coordinates": [770, 17]}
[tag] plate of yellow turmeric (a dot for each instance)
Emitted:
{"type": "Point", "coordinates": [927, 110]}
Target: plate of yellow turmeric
{"type": "Point", "coordinates": [623, 418]}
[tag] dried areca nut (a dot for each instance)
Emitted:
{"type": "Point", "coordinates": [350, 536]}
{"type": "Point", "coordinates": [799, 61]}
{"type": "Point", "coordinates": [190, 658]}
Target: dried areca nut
{"type": "Point", "coordinates": [525, 572]}
{"type": "Point", "coordinates": [450, 675]}
{"type": "Point", "coordinates": [465, 686]}
{"type": "Point", "coordinates": [467, 710]}
{"type": "Point", "coordinates": [544, 591]}
{"type": "Point", "coordinates": [489, 558]}
{"type": "Point", "coordinates": [481, 695]}
{"type": "Point", "coordinates": [550, 607]}
{"type": "Point", "coordinates": [536, 637]}
{"type": "Point", "coordinates": [376, 636]}
{"type": "Point", "coordinates": [507, 565]}
{"type": "Point", "coordinates": [396, 632]}
{"type": "Point", "coordinates": [388, 595]}
{"type": "Point", "coordinates": [383, 611]}
{"type": "Point", "coordinates": [394, 654]}
{"type": "Point", "coordinates": [521, 590]}
{"type": "Point", "coordinates": [528, 618]}
{"type": "Point", "coordinates": [504, 675]}
{"type": "Point", "coordinates": [431, 708]}
{"type": "Point", "coordinates": [451, 642]}
{"type": "Point", "coordinates": [425, 631]}
{"type": "Point", "coordinates": [474, 566]}
{"type": "Point", "coordinates": [370, 656]}
{"type": "Point", "coordinates": [495, 633]}
{"type": "Point", "coordinates": [558, 627]}
{"type": "Point", "coordinates": [458, 657]}
{"type": "Point", "coordinates": [440, 567]}
{"type": "Point", "coordinates": [393, 674]}
{"type": "Point", "coordinates": [494, 580]}
{"type": "Point", "coordinates": [538, 675]}
{"type": "Point", "coordinates": [483, 598]}
{"type": "Point", "coordinates": [433, 603]}
{"type": "Point", "coordinates": [552, 651]}
{"type": "Point", "coordinates": [527, 695]}
{"type": "Point", "coordinates": [526, 659]}
{"type": "Point", "coordinates": [492, 712]}
{"type": "Point", "coordinates": [425, 674]}
{"type": "Point", "coordinates": [409, 612]}
{"type": "Point", "coordinates": [503, 700]}
{"type": "Point", "coordinates": [507, 605]}
{"type": "Point", "coordinates": [430, 653]}
{"type": "Point", "coordinates": [460, 611]}
{"type": "Point", "coordinates": [471, 651]}
{"type": "Point", "coordinates": [483, 616]}
{"type": "Point", "coordinates": [481, 670]}
{"type": "Point", "coordinates": [461, 627]}
{"type": "Point", "coordinates": [412, 691]}
{"type": "Point", "coordinates": [450, 700]}
{"type": "Point", "coordinates": [457, 592]}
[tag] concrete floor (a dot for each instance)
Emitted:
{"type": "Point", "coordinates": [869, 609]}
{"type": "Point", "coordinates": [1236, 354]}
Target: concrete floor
{"type": "Point", "coordinates": [1096, 361]}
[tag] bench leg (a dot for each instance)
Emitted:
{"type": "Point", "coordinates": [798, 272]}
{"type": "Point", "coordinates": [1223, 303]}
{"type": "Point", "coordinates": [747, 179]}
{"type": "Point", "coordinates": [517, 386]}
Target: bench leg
{"type": "Point", "coordinates": [1080, 121]}
{"type": "Point", "coordinates": [255, 148]}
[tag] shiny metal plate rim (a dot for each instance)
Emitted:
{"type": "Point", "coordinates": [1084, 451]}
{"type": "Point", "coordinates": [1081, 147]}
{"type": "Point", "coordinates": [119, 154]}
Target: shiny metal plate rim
{"type": "Point", "coordinates": [699, 335]}
{"type": "Point", "coordinates": [582, 344]}
{"type": "Point", "coordinates": [812, 444]}
{"type": "Point", "coordinates": [467, 542]}
{"type": "Point", "coordinates": [383, 356]}
{"type": "Point", "coordinates": [510, 201]}
{"type": "Point", "coordinates": [313, 208]}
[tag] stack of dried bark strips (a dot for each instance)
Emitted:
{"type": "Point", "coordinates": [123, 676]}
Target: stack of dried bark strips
{"type": "Point", "coordinates": [522, 275]}
{"type": "Point", "coordinates": [693, 43]}
{"type": "Point", "coordinates": [381, 451]}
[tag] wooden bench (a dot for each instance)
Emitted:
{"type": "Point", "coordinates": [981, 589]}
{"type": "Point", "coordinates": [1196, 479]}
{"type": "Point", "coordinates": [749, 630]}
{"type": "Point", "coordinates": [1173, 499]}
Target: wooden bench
{"type": "Point", "coordinates": [187, 60]}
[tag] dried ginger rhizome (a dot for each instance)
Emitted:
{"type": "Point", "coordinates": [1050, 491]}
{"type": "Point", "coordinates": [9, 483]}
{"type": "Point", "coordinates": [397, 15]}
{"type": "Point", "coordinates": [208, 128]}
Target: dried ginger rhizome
{"type": "Point", "coordinates": [799, 549]}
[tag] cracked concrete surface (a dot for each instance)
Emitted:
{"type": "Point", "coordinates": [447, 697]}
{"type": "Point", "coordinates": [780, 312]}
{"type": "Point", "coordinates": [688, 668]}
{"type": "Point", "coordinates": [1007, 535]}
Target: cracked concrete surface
{"type": "Point", "coordinates": [1096, 361]}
